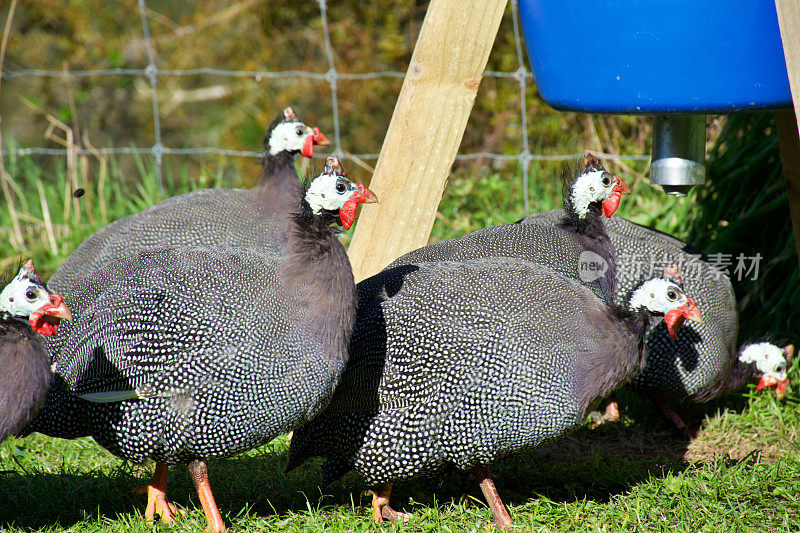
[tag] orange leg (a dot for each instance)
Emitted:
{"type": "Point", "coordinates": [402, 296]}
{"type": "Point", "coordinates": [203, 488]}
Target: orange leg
{"type": "Point", "coordinates": [157, 503]}
{"type": "Point", "coordinates": [380, 505]}
{"type": "Point", "coordinates": [673, 417]}
{"type": "Point", "coordinates": [198, 470]}
{"type": "Point", "coordinates": [501, 516]}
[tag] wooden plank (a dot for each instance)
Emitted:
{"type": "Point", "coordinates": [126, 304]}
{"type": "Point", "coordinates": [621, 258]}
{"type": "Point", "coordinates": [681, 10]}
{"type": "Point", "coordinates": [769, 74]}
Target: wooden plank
{"type": "Point", "coordinates": [789, 22]}
{"type": "Point", "coordinates": [790, 156]}
{"type": "Point", "coordinates": [425, 131]}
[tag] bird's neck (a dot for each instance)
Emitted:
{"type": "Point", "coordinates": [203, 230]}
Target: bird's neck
{"type": "Point", "coordinates": [732, 381]}
{"type": "Point", "coordinates": [619, 359]}
{"type": "Point", "coordinates": [317, 268]}
{"type": "Point", "coordinates": [590, 231]}
{"type": "Point", "coordinates": [279, 183]}
{"type": "Point", "coordinates": [589, 223]}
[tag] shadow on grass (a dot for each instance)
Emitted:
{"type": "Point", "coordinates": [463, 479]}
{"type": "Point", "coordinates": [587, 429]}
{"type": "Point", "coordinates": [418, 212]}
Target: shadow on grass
{"type": "Point", "coordinates": [588, 464]}
{"type": "Point", "coordinates": [594, 464]}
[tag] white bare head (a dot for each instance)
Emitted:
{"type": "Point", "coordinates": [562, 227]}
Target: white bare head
{"type": "Point", "coordinates": [595, 184]}
{"type": "Point", "coordinates": [331, 191]}
{"type": "Point", "coordinates": [27, 296]}
{"type": "Point", "coordinates": [290, 135]}
{"type": "Point", "coordinates": [664, 297]}
{"type": "Point", "coordinates": [770, 360]}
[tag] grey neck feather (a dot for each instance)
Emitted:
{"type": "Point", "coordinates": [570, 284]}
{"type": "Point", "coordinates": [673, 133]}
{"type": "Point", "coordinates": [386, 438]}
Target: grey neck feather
{"type": "Point", "coordinates": [317, 266]}
{"type": "Point", "coordinates": [620, 356]}
{"type": "Point", "coordinates": [739, 374]}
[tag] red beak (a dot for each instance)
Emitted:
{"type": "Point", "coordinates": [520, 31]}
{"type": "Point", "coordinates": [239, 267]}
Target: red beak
{"type": "Point", "coordinates": [620, 187]}
{"type": "Point", "coordinates": [316, 138]}
{"type": "Point", "coordinates": [347, 213]}
{"type": "Point", "coordinates": [675, 318]}
{"type": "Point", "coordinates": [363, 195]}
{"type": "Point", "coordinates": [45, 321]}
{"type": "Point", "coordinates": [320, 138]}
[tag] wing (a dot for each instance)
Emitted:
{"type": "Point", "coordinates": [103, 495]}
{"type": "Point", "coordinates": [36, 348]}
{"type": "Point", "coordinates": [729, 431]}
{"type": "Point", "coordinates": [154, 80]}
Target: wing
{"type": "Point", "coordinates": [174, 317]}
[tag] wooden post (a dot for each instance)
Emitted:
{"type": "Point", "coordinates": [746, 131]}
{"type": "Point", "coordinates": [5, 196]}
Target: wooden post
{"type": "Point", "coordinates": [425, 131]}
{"type": "Point", "coordinates": [790, 156]}
{"type": "Point", "coordinates": [789, 21]}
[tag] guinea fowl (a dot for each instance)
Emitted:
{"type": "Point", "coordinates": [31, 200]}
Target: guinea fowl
{"type": "Point", "coordinates": [762, 360]}
{"type": "Point", "coordinates": [459, 363]}
{"type": "Point", "coordinates": [703, 356]}
{"type": "Point", "coordinates": [577, 246]}
{"type": "Point", "coordinates": [258, 217]}
{"type": "Point", "coordinates": [27, 309]}
{"type": "Point", "coordinates": [197, 352]}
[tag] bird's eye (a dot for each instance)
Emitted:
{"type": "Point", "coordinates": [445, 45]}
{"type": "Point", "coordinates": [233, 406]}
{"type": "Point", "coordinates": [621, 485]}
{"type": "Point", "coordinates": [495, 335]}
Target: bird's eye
{"type": "Point", "coordinates": [606, 181]}
{"type": "Point", "coordinates": [780, 367]}
{"type": "Point", "coordinates": [300, 131]}
{"type": "Point", "coordinates": [340, 187]}
{"type": "Point", "coordinates": [31, 294]}
{"type": "Point", "coordinates": [672, 295]}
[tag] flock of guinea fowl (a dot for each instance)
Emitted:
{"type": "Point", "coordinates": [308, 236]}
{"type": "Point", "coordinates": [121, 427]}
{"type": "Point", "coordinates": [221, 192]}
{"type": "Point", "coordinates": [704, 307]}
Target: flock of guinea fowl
{"type": "Point", "coordinates": [220, 319]}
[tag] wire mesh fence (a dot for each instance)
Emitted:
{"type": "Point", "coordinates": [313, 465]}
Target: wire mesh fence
{"type": "Point", "coordinates": [522, 155]}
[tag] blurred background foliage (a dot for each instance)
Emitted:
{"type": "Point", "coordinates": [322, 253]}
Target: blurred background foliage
{"type": "Point", "coordinates": [741, 210]}
{"type": "Point", "coordinates": [257, 35]}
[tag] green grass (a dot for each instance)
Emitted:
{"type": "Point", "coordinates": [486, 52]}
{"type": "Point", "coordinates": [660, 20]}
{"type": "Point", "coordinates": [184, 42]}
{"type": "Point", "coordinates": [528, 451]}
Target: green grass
{"type": "Point", "coordinates": [631, 476]}
{"type": "Point", "coordinates": [741, 473]}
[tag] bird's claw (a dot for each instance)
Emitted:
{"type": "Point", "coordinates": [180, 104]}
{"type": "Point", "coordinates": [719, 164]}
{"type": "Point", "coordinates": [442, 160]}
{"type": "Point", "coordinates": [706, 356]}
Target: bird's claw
{"type": "Point", "coordinates": [382, 510]}
{"type": "Point", "coordinates": [158, 504]}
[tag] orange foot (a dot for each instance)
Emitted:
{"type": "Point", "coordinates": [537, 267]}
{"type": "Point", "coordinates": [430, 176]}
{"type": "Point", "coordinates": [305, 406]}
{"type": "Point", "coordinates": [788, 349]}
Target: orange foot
{"type": "Point", "coordinates": [380, 505]}
{"type": "Point", "coordinates": [611, 413]}
{"type": "Point", "coordinates": [157, 503]}
{"type": "Point", "coordinates": [612, 410]}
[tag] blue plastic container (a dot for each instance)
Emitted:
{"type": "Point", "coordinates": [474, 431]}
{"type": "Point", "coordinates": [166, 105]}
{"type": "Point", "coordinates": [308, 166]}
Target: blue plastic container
{"type": "Point", "coordinates": [657, 56]}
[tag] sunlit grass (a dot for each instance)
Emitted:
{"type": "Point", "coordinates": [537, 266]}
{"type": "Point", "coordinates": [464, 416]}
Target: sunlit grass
{"type": "Point", "coordinates": [742, 473]}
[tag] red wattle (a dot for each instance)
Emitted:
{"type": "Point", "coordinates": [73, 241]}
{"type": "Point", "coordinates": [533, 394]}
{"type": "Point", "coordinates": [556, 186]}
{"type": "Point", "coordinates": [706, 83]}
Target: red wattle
{"type": "Point", "coordinates": [308, 147]}
{"type": "Point", "coordinates": [347, 213]}
{"type": "Point", "coordinates": [674, 320]}
{"type": "Point", "coordinates": [766, 381]}
{"type": "Point", "coordinates": [611, 204]}
{"type": "Point", "coordinates": [43, 324]}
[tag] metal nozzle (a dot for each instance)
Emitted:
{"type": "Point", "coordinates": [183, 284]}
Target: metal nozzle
{"type": "Point", "coordinates": [679, 153]}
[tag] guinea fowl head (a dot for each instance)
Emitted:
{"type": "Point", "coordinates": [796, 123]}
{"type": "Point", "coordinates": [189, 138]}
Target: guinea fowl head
{"type": "Point", "coordinates": [27, 296]}
{"type": "Point", "coordinates": [664, 297]}
{"type": "Point", "coordinates": [593, 184]}
{"type": "Point", "coordinates": [287, 133]}
{"type": "Point", "coordinates": [332, 195]}
{"type": "Point", "coordinates": [772, 363]}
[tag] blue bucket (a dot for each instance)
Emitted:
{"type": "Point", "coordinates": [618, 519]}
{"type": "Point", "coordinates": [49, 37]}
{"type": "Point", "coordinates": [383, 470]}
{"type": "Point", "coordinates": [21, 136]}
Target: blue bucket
{"type": "Point", "coordinates": [656, 56]}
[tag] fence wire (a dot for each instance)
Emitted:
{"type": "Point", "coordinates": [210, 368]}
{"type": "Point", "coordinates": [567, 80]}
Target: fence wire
{"type": "Point", "coordinates": [522, 74]}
